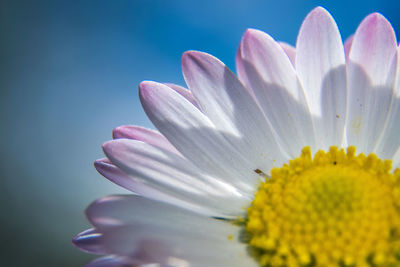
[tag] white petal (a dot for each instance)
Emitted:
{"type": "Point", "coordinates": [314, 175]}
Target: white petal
{"type": "Point", "coordinates": [389, 141]}
{"type": "Point", "coordinates": [221, 154]}
{"type": "Point", "coordinates": [267, 71]}
{"type": "Point", "coordinates": [143, 134]}
{"type": "Point", "coordinates": [370, 74]}
{"type": "Point", "coordinates": [231, 108]}
{"type": "Point", "coordinates": [147, 230]}
{"type": "Point", "coordinates": [90, 241]}
{"type": "Point", "coordinates": [320, 63]}
{"type": "Point", "coordinates": [136, 185]}
{"type": "Point", "coordinates": [173, 175]}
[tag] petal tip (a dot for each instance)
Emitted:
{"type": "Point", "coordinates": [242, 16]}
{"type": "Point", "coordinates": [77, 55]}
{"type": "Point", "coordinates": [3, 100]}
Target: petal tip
{"type": "Point", "coordinates": [100, 164]}
{"type": "Point", "coordinates": [250, 31]}
{"type": "Point", "coordinates": [111, 146]}
{"type": "Point", "coordinates": [251, 34]}
{"type": "Point", "coordinates": [144, 85]}
{"type": "Point", "coordinates": [319, 10]}
{"type": "Point", "coordinates": [196, 64]}
{"type": "Point", "coordinates": [375, 29]}
{"type": "Point", "coordinates": [191, 56]}
{"type": "Point", "coordinates": [120, 132]}
{"type": "Point", "coordinates": [375, 19]}
{"type": "Point", "coordinates": [76, 241]}
{"type": "Point", "coordinates": [188, 55]}
{"type": "Point", "coordinates": [253, 39]}
{"type": "Point", "coordinates": [319, 13]}
{"type": "Point", "coordinates": [147, 91]}
{"type": "Point", "coordinates": [86, 240]}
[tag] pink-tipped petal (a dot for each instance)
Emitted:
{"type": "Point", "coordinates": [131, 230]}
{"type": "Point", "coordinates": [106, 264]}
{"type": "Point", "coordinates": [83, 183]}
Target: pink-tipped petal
{"type": "Point", "coordinates": [373, 47]}
{"type": "Point", "coordinates": [290, 52]}
{"type": "Point", "coordinates": [218, 152]}
{"type": "Point", "coordinates": [151, 170]}
{"type": "Point", "coordinates": [320, 64]}
{"type": "Point", "coordinates": [229, 106]}
{"type": "Point", "coordinates": [147, 189]}
{"type": "Point", "coordinates": [143, 134]}
{"type": "Point", "coordinates": [183, 92]}
{"type": "Point", "coordinates": [117, 176]}
{"type": "Point", "coordinates": [268, 73]}
{"type": "Point", "coordinates": [89, 241]}
{"type": "Point", "coordinates": [388, 146]}
{"type": "Point", "coordinates": [134, 184]}
{"type": "Point", "coordinates": [371, 70]}
{"type": "Point", "coordinates": [132, 226]}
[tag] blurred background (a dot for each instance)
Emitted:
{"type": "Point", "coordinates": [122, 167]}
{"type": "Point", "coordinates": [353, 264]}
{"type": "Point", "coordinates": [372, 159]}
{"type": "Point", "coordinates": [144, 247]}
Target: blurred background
{"type": "Point", "coordinates": [69, 72]}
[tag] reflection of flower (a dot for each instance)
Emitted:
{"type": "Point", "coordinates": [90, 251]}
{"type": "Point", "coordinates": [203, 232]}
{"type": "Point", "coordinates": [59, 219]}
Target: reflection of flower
{"type": "Point", "coordinates": [221, 137]}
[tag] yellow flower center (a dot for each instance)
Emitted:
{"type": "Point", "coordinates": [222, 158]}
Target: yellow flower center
{"type": "Point", "coordinates": [336, 209]}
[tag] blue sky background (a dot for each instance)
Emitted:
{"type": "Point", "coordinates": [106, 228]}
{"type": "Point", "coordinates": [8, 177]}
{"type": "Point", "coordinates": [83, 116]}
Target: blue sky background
{"type": "Point", "coordinates": [69, 72]}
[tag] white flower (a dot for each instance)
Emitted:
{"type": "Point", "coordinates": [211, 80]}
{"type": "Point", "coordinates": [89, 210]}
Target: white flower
{"type": "Point", "coordinates": [218, 139]}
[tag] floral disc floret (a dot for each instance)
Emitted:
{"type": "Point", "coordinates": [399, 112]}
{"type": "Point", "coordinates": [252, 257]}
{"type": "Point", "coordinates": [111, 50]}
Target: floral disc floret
{"type": "Point", "coordinates": [336, 209]}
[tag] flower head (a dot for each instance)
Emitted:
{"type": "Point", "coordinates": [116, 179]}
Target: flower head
{"type": "Point", "coordinates": [221, 183]}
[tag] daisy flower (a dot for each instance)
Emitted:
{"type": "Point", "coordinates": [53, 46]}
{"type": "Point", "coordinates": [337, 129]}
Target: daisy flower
{"type": "Point", "coordinates": [292, 163]}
